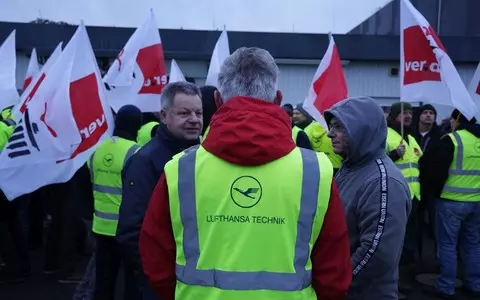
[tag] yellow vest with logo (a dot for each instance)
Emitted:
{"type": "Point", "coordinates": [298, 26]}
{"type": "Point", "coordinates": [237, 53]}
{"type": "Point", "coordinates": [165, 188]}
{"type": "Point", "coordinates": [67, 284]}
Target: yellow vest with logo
{"type": "Point", "coordinates": [322, 143]}
{"type": "Point", "coordinates": [247, 234]}
{"type": "Point", "coordinates": [106, 166]}
{"type": "Point", "coordinates": [463, 183]}
{"type": "Point", "coordinates": [144, 134]}
{"type": "Point", "coordinates": [408, 164]}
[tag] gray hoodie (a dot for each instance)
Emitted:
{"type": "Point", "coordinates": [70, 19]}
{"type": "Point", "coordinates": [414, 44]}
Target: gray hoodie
{"type": "Point", "coordinates": [376, 199]}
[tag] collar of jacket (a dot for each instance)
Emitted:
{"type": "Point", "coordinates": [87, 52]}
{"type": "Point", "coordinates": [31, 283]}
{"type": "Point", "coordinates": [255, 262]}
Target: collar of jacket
{"type": "Point", "coordinates": [172, 142]}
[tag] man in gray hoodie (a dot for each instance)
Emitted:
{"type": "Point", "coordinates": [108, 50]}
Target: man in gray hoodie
{"type": "Point", "coordinates": [375, 195]}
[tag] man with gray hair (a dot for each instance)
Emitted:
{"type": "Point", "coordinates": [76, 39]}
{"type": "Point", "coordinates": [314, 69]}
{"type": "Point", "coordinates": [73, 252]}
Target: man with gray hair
{"type": "Point", "coordinates": [180, 128]}
{"type": "Point", "coordinates": [247, 214]}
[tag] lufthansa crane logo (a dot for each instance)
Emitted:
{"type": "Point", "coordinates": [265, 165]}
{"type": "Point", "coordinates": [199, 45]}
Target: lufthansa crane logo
{"type": "Point", "coordinates": [477, 147]}
{"type": "Point", "coordinates": [246, 191]}
{"type": "Point", "coordinates": [108, 160]}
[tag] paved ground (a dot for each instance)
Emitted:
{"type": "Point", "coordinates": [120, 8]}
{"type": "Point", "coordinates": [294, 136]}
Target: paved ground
{"type": "Point", "coordinates": [42, 287]}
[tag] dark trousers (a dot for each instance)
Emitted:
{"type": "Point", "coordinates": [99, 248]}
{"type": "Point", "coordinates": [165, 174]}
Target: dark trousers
{"type": "Point", "coordinates": [37, 216]}
{"type": "Point", "coordinates": [108, 262]}
{"type": "Point", "coordinates": [65, 230]}
{"type": "Point", "coordinates": [458, 223]}
{"type": "Point", "coordinates": [13, 246]}
{"type": "Point", "coordinates": [410, 244]}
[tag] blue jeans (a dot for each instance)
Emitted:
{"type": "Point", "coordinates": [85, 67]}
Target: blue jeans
{"type": "Point", "coordinates": [458, 222]}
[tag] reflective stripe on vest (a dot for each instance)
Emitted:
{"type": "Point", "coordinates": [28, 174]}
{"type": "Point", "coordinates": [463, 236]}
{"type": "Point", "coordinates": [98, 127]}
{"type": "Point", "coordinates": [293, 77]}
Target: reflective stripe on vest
{"type": "Point", "coordinates": [105, 189]}
{"type": "Point", "coordinates": [258, 280]}
{"type": "Point", "coordinates": [459, 175]}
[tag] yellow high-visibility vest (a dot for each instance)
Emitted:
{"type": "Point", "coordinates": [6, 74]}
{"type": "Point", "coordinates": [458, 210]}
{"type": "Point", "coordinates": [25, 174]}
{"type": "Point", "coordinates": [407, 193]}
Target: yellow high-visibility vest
{"type": "Point", "coordinates": [408, 164]}
{"type": "Point", "coordinates": [247, 234]}
{"type": "Point", "coordinates": [463, 183]}
{"type": "Point", "coordinates": [106, 166]}
{"type": "Point", "coordinates": [144, 134]}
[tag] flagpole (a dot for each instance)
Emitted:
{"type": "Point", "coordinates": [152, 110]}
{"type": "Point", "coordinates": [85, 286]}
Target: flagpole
{"type": "Point", "coordinates": [402, 131]}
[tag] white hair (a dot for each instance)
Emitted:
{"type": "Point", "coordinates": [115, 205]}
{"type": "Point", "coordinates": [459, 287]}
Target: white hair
{"type": "Point", "coordinates": [249, 72]}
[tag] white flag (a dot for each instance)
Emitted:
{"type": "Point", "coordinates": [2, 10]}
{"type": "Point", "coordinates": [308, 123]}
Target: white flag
{"type": "Point", "coordinates": [19, 109]}
{"type": "Point", "coordinates": [328, 85]}
{"type": "Point", "coordinates": [64, 121]}
{"type": "Point", "coordinates": [427, 73]}
{"type": "Point", "coordinates": [8, 66]}
{"type": "Point", "coordinates": [474, 89]}
{"type": "Point", "coordinates": [220, 53]}
{"type": "Point", "coordinates": [138, 74]}
{"type": "Point", "coordinates": [32, 70]}
{"type": "Point", "coordinates": [176, 74]}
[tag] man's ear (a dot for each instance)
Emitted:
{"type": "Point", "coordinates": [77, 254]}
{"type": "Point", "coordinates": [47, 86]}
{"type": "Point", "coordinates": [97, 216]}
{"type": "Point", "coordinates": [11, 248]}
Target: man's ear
{"type": "Point", "coordinates": [218, 99]}
{"type": "Point", "coordinates": [278, 99]}
{"type": "Point", "coordinates": [163, 116]}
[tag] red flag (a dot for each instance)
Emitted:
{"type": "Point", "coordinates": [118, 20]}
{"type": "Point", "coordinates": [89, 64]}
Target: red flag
{"type": "Point", "coordinates": [328, 86]}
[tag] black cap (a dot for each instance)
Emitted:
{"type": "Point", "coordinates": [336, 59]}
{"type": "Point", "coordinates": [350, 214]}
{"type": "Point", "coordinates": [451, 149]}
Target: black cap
{"type": "Point", "coordinates": [457, 115]}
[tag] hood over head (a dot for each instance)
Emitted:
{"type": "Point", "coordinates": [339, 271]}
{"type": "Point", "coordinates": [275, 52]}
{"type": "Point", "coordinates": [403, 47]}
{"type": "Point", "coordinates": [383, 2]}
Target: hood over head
{"type": "Point", "coordinates": [128, 121]}
{"type": "Point", "coordinates": [365, 127]}
{"type": "Point", "coordinates": [249, 132]}
{"type": "Point", "coordinates": [209, 107]}
{"type": "Point", "coordinates": [456, 114]}
{"type": "Point", "coordinates": [300, 108]}
{"type": "Point", "coordinates": [472, 128]}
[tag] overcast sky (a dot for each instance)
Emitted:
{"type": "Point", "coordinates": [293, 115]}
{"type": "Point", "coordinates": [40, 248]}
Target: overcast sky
{"type": "Point", "coordinates": [302, 16]}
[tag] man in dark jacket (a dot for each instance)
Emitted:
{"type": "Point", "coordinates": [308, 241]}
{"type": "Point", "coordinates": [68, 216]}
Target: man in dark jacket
{"type": "Point", "coordinates": [181, 126]}
{"type": "Point", "coordinates": [427, 134]}
{"type": "Point", "coordinates": [451, 174]}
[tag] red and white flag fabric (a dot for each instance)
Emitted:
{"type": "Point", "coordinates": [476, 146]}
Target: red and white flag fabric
{"type": "Point", "coordinates": [474, 89]}
{"type": "Point", "coordinates": [138, 75]}
{"type": "Point", "coordinates": [176, 75]}
{"type": "Point", "coordinates": [328, 86]}
{"type": "Point", "coordinates": [427, 73]}
{"type": "Point", "coordinates": [19, 109]}
{"type": "Point", "coordinates": [32, 70]}
{"type": "Point", "coordinates": [8, 65]}
{"type": "Point", "coordinates": [220, 53]}
{"type": "Point", "coordinates": [63, 122]}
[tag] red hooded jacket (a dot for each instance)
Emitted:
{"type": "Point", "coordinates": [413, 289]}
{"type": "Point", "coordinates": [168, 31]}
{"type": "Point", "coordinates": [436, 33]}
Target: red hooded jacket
{"type": "Point", "coordinates": [247, 132]}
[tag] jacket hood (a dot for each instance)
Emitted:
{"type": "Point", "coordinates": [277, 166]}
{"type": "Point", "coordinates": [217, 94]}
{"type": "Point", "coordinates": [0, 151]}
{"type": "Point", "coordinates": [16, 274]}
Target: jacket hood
{"type": "Point", "coordinates": [128, 121]}
{"type": "Point", "coordinates": [208, 104]}
{"type": "Point", "coordinates": [249, 132]}
{"type": "Point", "coordinates": [365, 127]}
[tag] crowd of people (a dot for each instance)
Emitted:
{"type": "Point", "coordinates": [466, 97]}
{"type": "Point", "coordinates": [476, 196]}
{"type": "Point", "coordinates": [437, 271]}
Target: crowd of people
{"type": "Point", "coordinates": [227, 194]}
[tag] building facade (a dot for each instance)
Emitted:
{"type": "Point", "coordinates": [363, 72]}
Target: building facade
{"type": "Point", "coordinates": [370, 52]}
